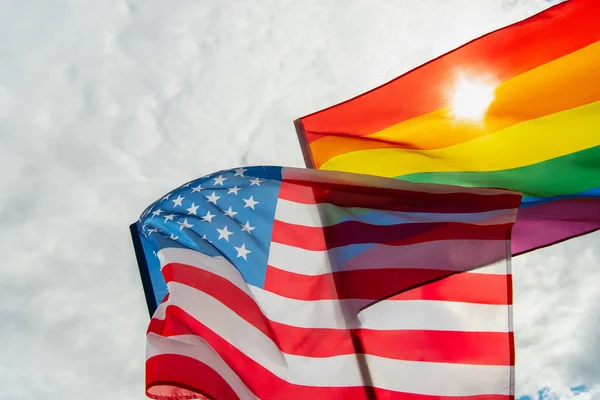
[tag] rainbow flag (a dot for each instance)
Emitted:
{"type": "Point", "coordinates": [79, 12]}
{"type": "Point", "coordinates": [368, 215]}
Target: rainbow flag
{"type": "Point", "coordinates": [518, 108]}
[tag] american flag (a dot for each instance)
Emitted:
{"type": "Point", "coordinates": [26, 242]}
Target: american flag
{"type": "Point", "coordinates": [288, 283]}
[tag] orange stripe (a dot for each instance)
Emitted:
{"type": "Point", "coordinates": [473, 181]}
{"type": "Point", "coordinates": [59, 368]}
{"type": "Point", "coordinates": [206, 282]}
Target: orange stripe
{"type": "Point", "coordinates": [559, 85]}
{"type": "Point", "coordinates": [502, 54]}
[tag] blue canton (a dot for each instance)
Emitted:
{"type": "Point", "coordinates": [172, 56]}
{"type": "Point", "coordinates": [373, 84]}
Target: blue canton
{"type": "Point", "coordinates": [229, 213]}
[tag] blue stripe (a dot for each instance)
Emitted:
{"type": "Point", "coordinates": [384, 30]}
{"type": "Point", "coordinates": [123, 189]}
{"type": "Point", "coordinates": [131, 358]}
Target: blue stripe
{"type": "Point", "coordinates": [532, 201]}
{"type": "Point", "coordinates": [383, 217]}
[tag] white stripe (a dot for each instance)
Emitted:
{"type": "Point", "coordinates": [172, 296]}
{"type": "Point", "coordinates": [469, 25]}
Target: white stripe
{"type": "Point", "coordinates": [450, 255]}
{"type": "Point", "coordinates": [441, 379]}
{"type": "Point", "coordinates": [217, 265]}
{"type": "Point", "coordinates": [195, 347]}
{"type": "Point", "coordinates": [160, 310]}
{"type": "Point", "coordinates": [385, 315]}
{"type": "Point", "coordinates": [325, 214]}
{"type": "Point", "coordinates": [498, 268]}
{"type": "Point", "coordinates": [340, 314]}
{"type": "Point", "coordinates": [403, 376]}
{"type": "Point", "coordinates": [435, 315]}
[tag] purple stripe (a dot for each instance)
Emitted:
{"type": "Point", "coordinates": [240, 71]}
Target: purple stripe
{"type": "Point", "coordinates": [546, 224]}
{"type": "Point", "coordinates": [449, 255]}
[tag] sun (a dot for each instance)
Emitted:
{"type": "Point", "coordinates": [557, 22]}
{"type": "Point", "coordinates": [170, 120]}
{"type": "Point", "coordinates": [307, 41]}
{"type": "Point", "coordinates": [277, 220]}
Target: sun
{"type": "Point", "coordinates": [471, 98]}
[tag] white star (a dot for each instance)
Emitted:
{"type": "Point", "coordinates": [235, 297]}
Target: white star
{"type": "Point", "coordinates": [240, 172]}
{"type": "Point", "coordinates": [197, 188]}
{"type": "Point", "coordinates": [250, 202]}
{"type": "Point", "coordinates": [169, 217]}
{"type": "Point", "coordinates": [177, 201]}
{"type": "Point", "coordinates": [157, 212]}
{"type": "Point", "coordinates": [242, 251]}
{"type": "Point", "coordinates": [204, 237]}
{"type": "Point", "coordinates": [230, 212]}
{"type": "Point", "coordinates": [224, 233]}
{"type": "Point", "coordinates": [152, 230]}
{"type": "Point", "coordinates": [247, 228]}
{"type": "Point", "coordinates": [173, 237]}
{"type": "Point", "coordinates": [255, 182]}
{"type": "Point", "coordinates": [192, 209]}
{"type": "Point", "coordinates": [186, 185]}
{"type": "Point", "coordinates": [213, 198]}
{"type": "Point", "coordinates": [208, 217]}
{"type": "Point", "coordinates": [184, 224]}
{"type": "Point", "coordinates": [219, 180]}
{"type": "Point", "coordinates": [166, 197]}
{"type": "Point", "coordinates": [234, 190]}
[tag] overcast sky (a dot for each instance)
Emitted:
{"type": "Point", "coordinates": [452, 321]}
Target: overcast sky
{"type": "Point", "coordinates": [106, 105]}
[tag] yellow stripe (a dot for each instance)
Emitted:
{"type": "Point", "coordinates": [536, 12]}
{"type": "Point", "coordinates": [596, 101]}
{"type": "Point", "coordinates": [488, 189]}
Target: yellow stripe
{"type": "Point", "coordinates": [570, 81]}
{"type": "Point", "coordinates": [523, 144]}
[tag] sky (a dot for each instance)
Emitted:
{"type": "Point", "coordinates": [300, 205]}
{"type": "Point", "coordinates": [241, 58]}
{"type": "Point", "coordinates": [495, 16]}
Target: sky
{"type": "Point", "coordinates": [105, 106]}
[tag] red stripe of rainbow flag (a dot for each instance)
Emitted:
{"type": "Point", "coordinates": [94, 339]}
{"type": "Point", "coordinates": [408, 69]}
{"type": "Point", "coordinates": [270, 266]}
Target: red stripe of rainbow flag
{"type": "Point", "coordinates": [518, 108]}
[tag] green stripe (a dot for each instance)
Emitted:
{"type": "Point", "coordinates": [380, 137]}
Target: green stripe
{"type": "Point", "coordinates": [572, 173]}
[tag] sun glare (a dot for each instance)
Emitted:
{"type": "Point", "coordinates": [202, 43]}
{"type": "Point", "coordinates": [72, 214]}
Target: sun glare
{"type": "Point", "coordinates": [471, 98]}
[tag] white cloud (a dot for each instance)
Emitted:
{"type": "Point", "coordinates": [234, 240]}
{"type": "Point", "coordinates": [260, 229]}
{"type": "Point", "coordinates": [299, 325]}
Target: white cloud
{"type": "Point", "coordinates": [106, 105]}
{"type": "Point", "coordinates": [557, 316]}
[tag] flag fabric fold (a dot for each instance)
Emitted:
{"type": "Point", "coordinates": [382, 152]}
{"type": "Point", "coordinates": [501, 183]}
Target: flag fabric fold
{"type": "Point", "coordinates": [283, 283]}
{"type": "Point", "coordinates": [518, 108]}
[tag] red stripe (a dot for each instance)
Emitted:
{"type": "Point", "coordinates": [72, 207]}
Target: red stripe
{"type": "Point", "coordinates": [298, 192]}
{"type": "Point", "coordinates": [290, 340]}
{"type": "Point", "coordinates": [464, 287]}
{"type": "Point", "coordinates": [343, 195]}
{"type": "Point", "coordinates": [354, 232]}
{"type": "Point", "coordinates": [502, 54]}
{"type": "Point", "coordinates": [257, 378]}
{"type": "Point", "coordinates": [380, 283]}
{"type": "Point", "coordinates": [479, 347]}
{"type": "Point", "coordinates": [171, 376]}
{"type": "Point", "coordinates": [222, 290]}
{"type": "Point", "coordinates": [268, 386]}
